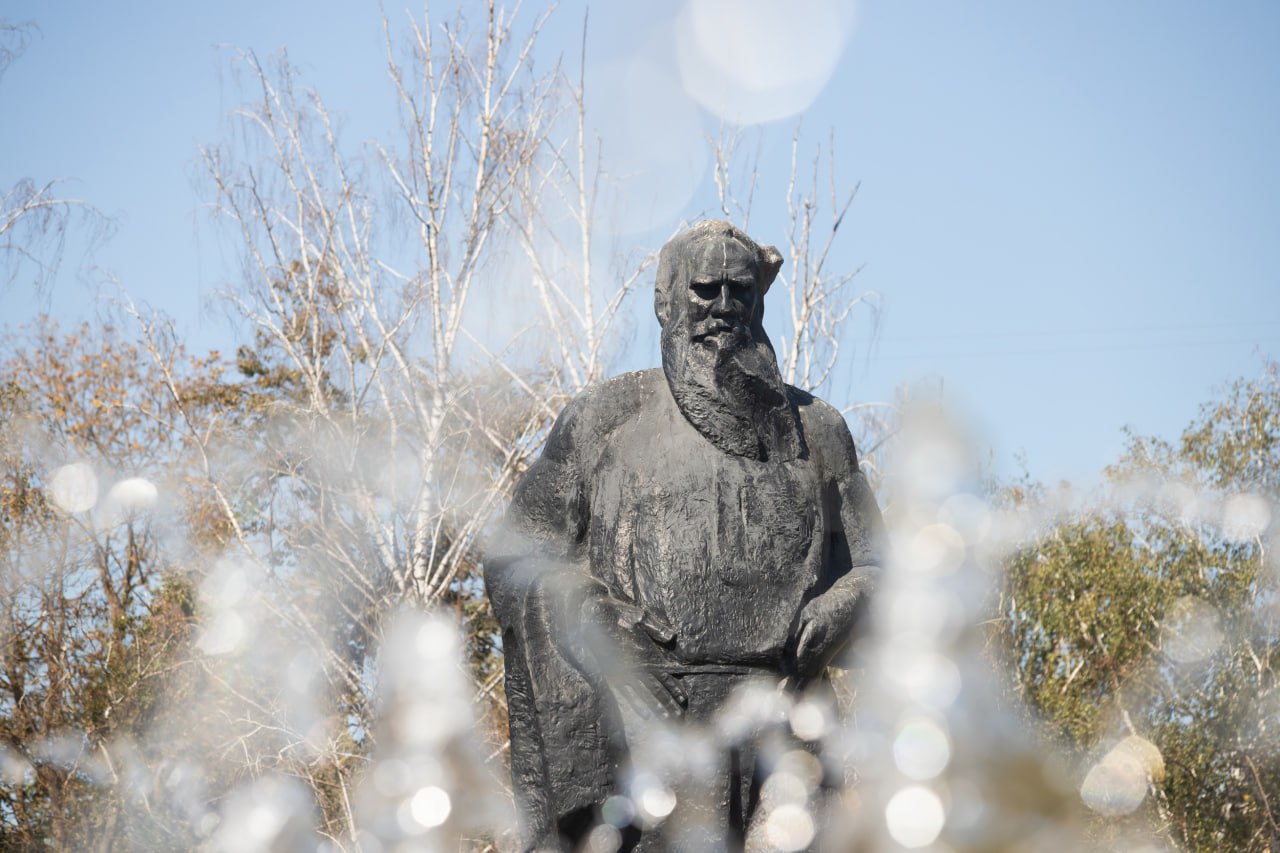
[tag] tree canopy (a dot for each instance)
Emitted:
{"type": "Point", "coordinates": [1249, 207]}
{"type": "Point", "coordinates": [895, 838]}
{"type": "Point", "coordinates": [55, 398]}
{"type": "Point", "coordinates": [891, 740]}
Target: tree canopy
{"type": "Point", "coordinates": [1157, 614]}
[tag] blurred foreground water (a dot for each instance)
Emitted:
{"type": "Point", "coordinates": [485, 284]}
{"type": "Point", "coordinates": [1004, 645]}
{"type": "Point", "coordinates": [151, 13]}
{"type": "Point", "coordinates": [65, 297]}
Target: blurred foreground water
{"type": "Point", "coordinates": [921, 747]}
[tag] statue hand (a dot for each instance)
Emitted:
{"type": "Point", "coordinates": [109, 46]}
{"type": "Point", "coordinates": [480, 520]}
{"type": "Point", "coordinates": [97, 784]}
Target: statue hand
{"type": "Point", "coordinates": [638, 638]}
{"type": "Point", "coordinates": [652, 693]}
{"type": "Point", "coordinates": [823, 630]}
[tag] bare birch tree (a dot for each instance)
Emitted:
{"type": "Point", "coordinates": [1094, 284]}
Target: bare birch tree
{"type": "Point", "coordinates": [33, 215]}
{"type": "Point", "coordinates": [381, 424]}
{"type": "Point", "coordinates": [380, 427]}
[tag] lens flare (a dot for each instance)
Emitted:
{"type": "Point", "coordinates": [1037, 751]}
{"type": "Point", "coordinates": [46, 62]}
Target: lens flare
{"type": "Point", "coordinates": [753, 61]}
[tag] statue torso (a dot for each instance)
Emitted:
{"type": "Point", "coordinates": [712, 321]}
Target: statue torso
{"type": "Point", "coordinates": [725, 548]}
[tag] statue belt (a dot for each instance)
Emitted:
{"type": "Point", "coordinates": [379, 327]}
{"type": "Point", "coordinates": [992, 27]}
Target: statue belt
{"type": "Point", "coordinates": [760, 669]}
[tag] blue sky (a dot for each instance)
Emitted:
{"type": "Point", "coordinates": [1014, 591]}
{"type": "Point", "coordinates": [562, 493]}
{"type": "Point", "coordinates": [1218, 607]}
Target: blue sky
{"type": "Point", "coordinates": [1071, 211]}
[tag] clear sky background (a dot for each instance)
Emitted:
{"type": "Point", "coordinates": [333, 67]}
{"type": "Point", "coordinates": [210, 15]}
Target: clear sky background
{"type": "Point", "coordinates": [1071, 210]}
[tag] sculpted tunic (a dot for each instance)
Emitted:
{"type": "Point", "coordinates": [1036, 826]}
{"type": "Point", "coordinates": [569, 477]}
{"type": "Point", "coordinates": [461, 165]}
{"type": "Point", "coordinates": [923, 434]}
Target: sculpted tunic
{"type": "Point", "coordinates": [724, 549]}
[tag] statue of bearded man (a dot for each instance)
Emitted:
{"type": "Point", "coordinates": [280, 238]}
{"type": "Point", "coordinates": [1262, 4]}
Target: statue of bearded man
{"type": "Point", "coordinates": [684, 531]}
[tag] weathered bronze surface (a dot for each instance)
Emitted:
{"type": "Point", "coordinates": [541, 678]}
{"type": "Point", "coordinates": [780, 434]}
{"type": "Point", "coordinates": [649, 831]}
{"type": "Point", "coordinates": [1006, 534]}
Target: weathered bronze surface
{"type": "Point", "coordinates": [685, 530]}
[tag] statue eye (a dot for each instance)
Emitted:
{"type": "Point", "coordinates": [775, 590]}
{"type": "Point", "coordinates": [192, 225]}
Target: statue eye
{"type": "Point", "coordinates": [705, 289]}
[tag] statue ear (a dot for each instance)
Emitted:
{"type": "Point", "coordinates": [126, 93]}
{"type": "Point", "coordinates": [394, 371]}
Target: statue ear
{"type": "Point", "coordinates": [770, 263]}
{"type": "Point", "coordinates": [662, 284]}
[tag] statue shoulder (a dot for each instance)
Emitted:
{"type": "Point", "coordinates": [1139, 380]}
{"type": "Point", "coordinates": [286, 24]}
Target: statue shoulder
{"type": "Point", "coordinates": [602, 408]}
{"type": "Point", "coordinates": [825, 429]}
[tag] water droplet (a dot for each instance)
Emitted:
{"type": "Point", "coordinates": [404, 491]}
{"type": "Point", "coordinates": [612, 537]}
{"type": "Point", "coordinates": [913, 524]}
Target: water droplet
{"type": "Point", "coordinates": [790, 827]}
{"type": "Point", "coordinates": [926, 677]}
{"type": "Point", "coordinates": [920, 613]}
{"type": "Point", "coordinates": [225, 587]}
{"type": "Point", "coordinates": [802, 765]}
{"type": "Point", "coordinates": [430, 806]}
{"type": "Point", "coordinates": [784, 787]}
{"type": "Point", "coordinates": [263, 822]}
{"type": "Point", "coordinates": [436, 639]}
{"type": "Point", "coordinates": [133, 495]}
{"type": "Point", "coordinates": [618, 811]}
{"type": "Point", "coordinates": [391, 777]}
{"type": "Point", "coordinates": [936, 549]}
{"type": "Point", "coordinates": [915, 816]}
{"type": "Point", "coordinates": [1117, 784]}
{"type": "Point", "coordinates": [1114, 786]}
{"type": "Point", "coordinates": [921, 749]}
{"type": "Point", "coordinates": [1245, 517]}
{"type": "Point", "coordinates": [223, 634]}
{"type": "Point", "coordinates": [74, 488]}
{"type": "Point", "coordinates": [14, 769]}
{"type": "Point", "coordinates": [1191, 630]}
{"type": "Point", "coordinates": [1146, 753]}
{"type": "Point", "coordinates": [604, 839]}
{"type": "Point", "coordinates": [1183, 501]}
{"type": "Point", "coordinates": [969, 515]}
{"type": "Point", "coordinates": [656, 800]}
{"type": "Point", "coordinates": [808, 720]}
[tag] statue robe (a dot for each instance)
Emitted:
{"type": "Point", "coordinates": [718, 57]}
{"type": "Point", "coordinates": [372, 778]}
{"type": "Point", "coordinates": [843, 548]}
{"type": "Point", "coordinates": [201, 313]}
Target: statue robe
{"type": "Point", "coordinates": [631, 498]}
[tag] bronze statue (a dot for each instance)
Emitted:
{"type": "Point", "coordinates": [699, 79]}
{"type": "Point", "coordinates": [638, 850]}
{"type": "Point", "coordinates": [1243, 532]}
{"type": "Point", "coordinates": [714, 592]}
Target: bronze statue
{"type": "Point", "coordinates": [684, 530]}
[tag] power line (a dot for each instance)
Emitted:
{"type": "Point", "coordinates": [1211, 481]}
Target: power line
{"type": "Point", "coordinates": [1069, 350]}
{"type": "Point", "coordinates": [1129, 330]}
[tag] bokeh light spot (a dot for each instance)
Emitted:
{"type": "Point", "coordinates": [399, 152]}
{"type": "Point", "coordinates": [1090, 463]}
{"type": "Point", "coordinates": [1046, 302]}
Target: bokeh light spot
{"type": "Point", "coordinates": [618, 811]}
{"type": "Point", "coordinates": [921, 749]}
{"type": "Point", "coordinates": [224, 634]}
{"type": "Point", "coordinates": [604, 839]}
{"type": "Point", "coordinates": [926, 677]}
{"type": "Point", "coordinates": [436, 639]}
{"type": "Point", "coordinates": [430, 806]}
{"type": "Point", "coordinates": [936, 549]}
{"type": "Point", "coordinates": [74, 488]}
{"type": "Point", "coordinates": [808, 720]}
{"type": "Point", "coordinates": [914, 816]}
{"type": "Point", "coordinates": [785, 787]}
{"type": "Point", "coordinates": [1115, 786]}
{"type": "Point", "coordinates": [790, 827]}
{"type": "Point", "coordinates": [1191, 630]}
{"type": "Point", "coordinates": [656, 801]}
{"type": "Point", "coordinates": [969, 515]}
{"type": "Point", "coordinates": [134, 494]}
{"type": "Point", "coordinates": [1245, 517]}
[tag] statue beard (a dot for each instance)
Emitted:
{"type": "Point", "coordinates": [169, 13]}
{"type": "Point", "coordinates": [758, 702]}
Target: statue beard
{"type": "Point", "coordinates": [728, 386]}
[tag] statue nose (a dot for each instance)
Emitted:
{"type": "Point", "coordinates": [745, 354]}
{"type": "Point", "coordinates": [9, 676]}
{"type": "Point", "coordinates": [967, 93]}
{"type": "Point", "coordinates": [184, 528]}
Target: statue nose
{"type": "Point", "coordinates": [723, 302]}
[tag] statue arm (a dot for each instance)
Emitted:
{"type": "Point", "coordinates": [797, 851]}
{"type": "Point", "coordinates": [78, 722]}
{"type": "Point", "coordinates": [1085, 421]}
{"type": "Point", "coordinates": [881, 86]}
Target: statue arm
{"type": "Point", "coordinates": [543, 526]}
{"type": "Point", "coordinates": [542, 546]}
{"type": "Point", "coordinates": [831, 619]}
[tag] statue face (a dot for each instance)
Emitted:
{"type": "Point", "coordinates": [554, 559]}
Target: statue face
{"type": "Point", "coordinates": [722, 293]}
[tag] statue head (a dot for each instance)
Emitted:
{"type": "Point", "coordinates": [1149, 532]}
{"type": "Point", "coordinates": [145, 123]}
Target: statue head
{"type": "Point", "coordinates": [714, 272]}
{"type": "Point", "coordinates": [720, 365]}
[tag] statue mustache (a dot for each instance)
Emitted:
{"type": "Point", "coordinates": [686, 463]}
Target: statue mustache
{"type": "Point", "coordinates": [713, 326]}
